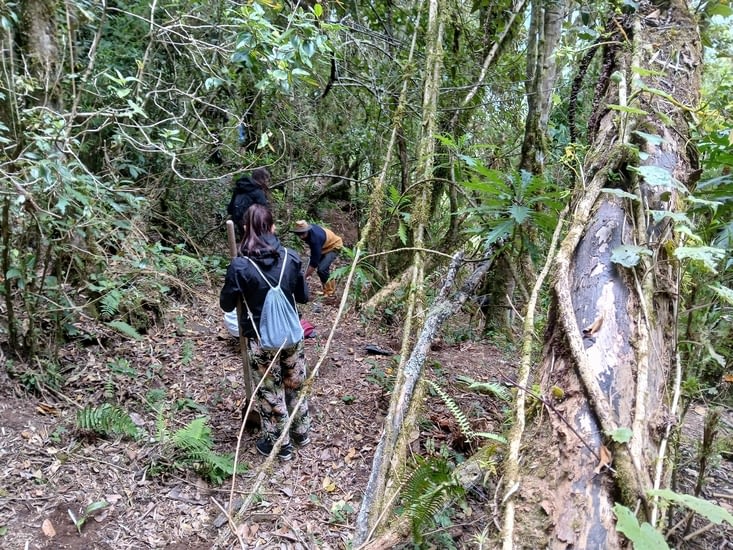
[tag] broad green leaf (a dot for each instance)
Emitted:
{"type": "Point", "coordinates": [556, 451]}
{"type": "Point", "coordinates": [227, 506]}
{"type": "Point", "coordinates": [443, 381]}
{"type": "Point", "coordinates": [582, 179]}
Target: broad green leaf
{"type": "Point", "coordinates": [713, 205]}
{"type": "Point", "coordinates": [649, 138]}
{"type": "Point", "coordinates": [622, 435]}
{"type": "Point", "coordinates": [317, 10]}
{"type": "Point", "coordinates": [212, 83]}
{"type": "Point", "coordinates": [125, 329]}
{"type": "Point", "coordinates": [279, 74]}
{"type": "Point", "coordinates": [677, 217]}
{"type": "Point", "coordinates": [469, 161]}
{"type": "Point", "coordinates": [646, 72]}
{"type": "Point", "coordinates": [688, 232]}
{"type": "Point", "coordinates": [489, 435]}
{"type": "Point", "coordinates": [658, 92]}
{"type": "Point", "coordinates": [710, 256]}
{"type": "Point", "coordinates": [719, 359]}
{"type": "Point", "coordinates": [492, 177]}
{"type": "Point", "coordinates": [656, 176]}
{"type": "Point", "coordinates": [620, 193]}
{"type": "Point", "coordinates": [629, 255]}
{"type": "Point", "coordinates": [718, 8]}
{"type": "Point", "coordinates": [644, 537]}
{"type": "Point", "coordinates": [504, 229]}
{"type": "Point", "coordinates": [96, 506]}
{"type": "Point", "coordinates": [402, 233]}
{"type": "Point", "coordinates": [711, 511]}
{"type": "Point", "coordinates": [136, 109]}
{"type": "Point", "coordinates": [13, 273]}
{"type": "Point", "coordinates": [665, 118]}
{"type": "Point", "coordinates": [623, 109]}
{"type": "Point", "coordinates": [264, 140]}
{"type": "Point", "coordinates": [723, 291]}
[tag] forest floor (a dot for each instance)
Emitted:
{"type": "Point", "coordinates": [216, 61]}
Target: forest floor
{"type": "Point", "coordinates": [50, 470]}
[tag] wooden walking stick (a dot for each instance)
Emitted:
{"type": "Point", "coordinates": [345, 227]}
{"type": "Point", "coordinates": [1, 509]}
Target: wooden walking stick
{"type": "Point", "coordinates": [253, 420]}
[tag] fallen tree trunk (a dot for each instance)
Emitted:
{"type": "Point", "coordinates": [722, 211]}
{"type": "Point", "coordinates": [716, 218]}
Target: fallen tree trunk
{"type": "Point", "coordinates": [378, 500]}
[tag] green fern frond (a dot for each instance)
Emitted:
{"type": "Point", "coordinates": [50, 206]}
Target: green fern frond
{"type": "Point", "coordinates": [126, 329]}
{"type": "Point", "coordinates": [195, 435]}
{"type": "Point", "coordinates": [105, 420]}
{"type": "Point", "coordinates": [189, 268]}
{"type": "Point", "coordinates": [491, 388]}
{"type": "Point", "coordinates": [110, 388]}
{"type": "Point", "coordinates": [110, 303]}
{"type": "Point", "coordinates": [463, 423]}
{"type": "Point", "coordinates": [429, 487]}
{"type": "Point", "coordinates": [195, 448]}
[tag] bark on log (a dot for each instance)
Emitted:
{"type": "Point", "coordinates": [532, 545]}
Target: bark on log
{"type": "Point", "coordinates": [438, 313]}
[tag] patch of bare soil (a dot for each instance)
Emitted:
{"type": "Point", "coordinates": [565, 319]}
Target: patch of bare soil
{"type": "Point", "coordinates": [53, 475]}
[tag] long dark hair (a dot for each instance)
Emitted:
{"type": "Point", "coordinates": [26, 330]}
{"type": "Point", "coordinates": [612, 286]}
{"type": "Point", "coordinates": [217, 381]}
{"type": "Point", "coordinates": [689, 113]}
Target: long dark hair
{"type": "Point", "coordinates": [257, 223]}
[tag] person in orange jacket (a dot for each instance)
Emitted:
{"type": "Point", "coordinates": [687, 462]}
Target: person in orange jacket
{"type": "Point", "coordinates": [325, 247]}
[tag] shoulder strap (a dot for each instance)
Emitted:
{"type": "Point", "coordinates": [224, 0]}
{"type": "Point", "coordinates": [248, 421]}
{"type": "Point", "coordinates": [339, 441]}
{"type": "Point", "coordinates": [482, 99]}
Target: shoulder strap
{"type": "Point", "coordinates": [282, 270]}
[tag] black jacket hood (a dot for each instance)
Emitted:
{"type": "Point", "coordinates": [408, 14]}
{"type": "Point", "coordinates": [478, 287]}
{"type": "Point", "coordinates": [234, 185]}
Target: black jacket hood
{"type": "Point", "coordinates": [269, 257]}
{"type": "Point", "coordinates": [245, 185]}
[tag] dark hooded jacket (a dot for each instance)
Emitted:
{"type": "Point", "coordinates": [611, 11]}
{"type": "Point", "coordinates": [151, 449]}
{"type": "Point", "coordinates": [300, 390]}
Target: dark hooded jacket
{"type": "Point", "coordinates": [245, 194]}
{"type": "Point", "coordinates": [243, 279]}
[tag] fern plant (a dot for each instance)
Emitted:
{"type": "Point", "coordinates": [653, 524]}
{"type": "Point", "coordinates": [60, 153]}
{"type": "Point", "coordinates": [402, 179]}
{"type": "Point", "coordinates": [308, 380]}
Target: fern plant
{"type": "Point", "coordinates": [463, 422]}
{"type": "Point", "coordinates": [106, 419]}
{"type": "Point", "coordinates": [193, 447]}
{"type": "Point", "coordinates": [428, 488]}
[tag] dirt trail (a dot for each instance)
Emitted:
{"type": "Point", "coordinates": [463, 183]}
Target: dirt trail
{"type": "Point", "coordinates": [49, 467]}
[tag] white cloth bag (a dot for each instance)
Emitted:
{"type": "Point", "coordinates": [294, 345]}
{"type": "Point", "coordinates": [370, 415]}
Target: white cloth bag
{"type": "Point", "coordinates": [231, 322]}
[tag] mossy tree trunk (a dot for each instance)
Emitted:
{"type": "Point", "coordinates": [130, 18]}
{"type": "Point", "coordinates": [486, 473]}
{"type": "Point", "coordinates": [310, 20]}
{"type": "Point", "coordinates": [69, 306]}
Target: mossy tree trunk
{"type": "Point", "coordinates": [40, 50]}
{"type": "Point", "coordinates": [610, 344]}
{"type": "Point", "coordinates": [401, 417]}
{"type": "Point", "coordinates": [544, 36]}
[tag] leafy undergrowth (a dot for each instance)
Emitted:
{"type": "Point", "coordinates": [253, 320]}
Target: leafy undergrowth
{"type": "Point", "coordinates": [133, 450]}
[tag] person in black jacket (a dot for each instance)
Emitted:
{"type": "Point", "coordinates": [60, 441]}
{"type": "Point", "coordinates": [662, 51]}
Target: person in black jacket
{"type": "Point", "coordinates": [280, 389]}
{"type": "Point", "coordinates": [248, 190]}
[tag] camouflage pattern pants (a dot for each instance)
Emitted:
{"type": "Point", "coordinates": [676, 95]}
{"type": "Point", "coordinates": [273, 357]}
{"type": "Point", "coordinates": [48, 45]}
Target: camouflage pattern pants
{"type": "Point", "coordinates": [280, 390]}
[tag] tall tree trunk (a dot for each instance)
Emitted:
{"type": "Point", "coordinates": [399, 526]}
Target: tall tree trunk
{"type": "Point", "coordinates": [40, 49]}
{"type": "Point", "coordinates": [392, 448]}
{"type": "Point", "coordinates": [610, 341]}
{"type": "Point", "coordinates": [544, 36]}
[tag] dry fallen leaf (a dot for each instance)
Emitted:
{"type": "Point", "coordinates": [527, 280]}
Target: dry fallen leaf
{"type": "Point", "coordinates": [113, 498]}
{"type": "Point", "coordinates": [328, 485]}
{"type": "Point", "coordinates": [47, 528]}
{"type": "Point", "coordinates": [605, 460]}
{"type": "Point", "coordinates": [350, 455]}
{"type": "Point", "coordinates": [44, 408]}
{"type": "Point", "coordinates": [246, 532]}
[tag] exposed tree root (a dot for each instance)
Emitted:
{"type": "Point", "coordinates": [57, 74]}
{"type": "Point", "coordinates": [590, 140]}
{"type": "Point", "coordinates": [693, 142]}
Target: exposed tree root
{"type": "Point", "coordinates": [511, 464]}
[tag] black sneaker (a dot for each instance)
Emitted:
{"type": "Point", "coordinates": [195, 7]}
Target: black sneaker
{"type": "Point", "coordinates": [300, 440]}
{"type": "Point", "coordinates": [264, 447]}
